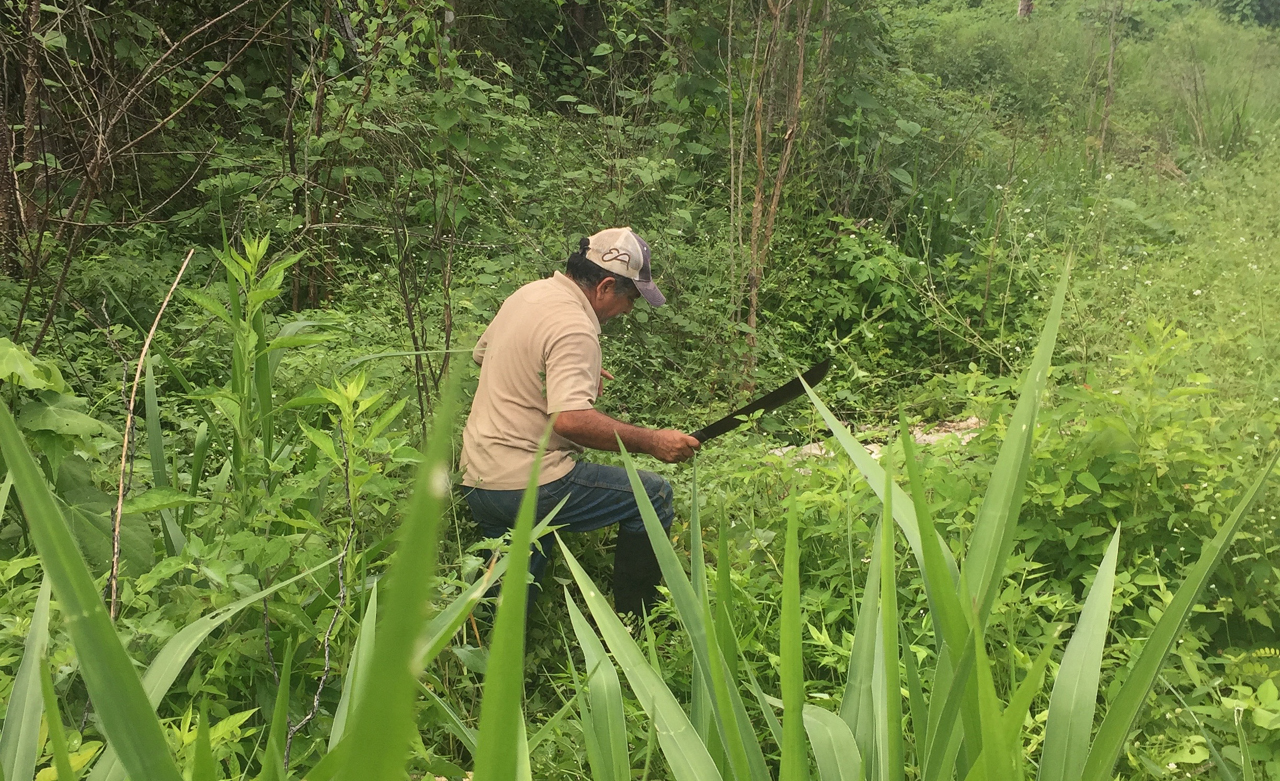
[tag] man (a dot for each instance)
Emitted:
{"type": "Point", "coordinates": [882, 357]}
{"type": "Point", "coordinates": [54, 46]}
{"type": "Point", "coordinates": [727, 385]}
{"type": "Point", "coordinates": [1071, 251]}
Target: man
{"type": "Point", "coordinates": [540, 361]}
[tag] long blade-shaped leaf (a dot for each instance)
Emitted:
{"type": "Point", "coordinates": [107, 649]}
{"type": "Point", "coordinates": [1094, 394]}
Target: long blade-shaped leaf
{"type": "Point", "coordinates": [273, 757]}
{"type": "Point", "coordinates": [501, 709]}
{"type": "Point", "coordinates": [891, 755]}
{"type": "Point", "coordinates": [795, 759]}
{"type": "Point", "coordinates": [1124, 708]}
{"type": "Point", "coordinates": [1075, 692]}
{"type": "Point", "coordinates": [383, 718]}
{"type": "Point", "coordinates": [20, 741]}
{"type": "Point", "coordinates": [358, 669]}
{"type": "Point", "coordinates": [203, 765]}
{"type": "Point", "coordinates": [993, 529]}
{"type": "Point", "coordinates": [608, 717]}
{"type": "Point", "coordinates": [686, 754]}
{"type": "Point", "coordinates": [126, 716]}
{"type": "Point", "coordinates": [174, 539]}
{"type": "Point", "coordinates": [737, 734]}
{"type": "Point", "coordinates": [57, 733]}
{"type": "Point", "coordinates": [834, 748]}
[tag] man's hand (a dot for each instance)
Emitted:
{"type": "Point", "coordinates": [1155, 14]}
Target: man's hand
{"type": "Point", "coordinates": [673, 446]}
{"type": "Point", "coordinates": [591, 428]}
{"type": "Point", "coordinates": [604, 375]}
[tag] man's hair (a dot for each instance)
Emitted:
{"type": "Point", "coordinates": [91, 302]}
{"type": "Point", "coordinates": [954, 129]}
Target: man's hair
{"type": "Point", "coordinates": [589, 275]}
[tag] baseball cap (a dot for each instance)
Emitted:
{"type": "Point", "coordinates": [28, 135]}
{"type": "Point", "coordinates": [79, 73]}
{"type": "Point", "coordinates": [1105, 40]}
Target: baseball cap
{"type": "Point", "coordinates": [622, 252]}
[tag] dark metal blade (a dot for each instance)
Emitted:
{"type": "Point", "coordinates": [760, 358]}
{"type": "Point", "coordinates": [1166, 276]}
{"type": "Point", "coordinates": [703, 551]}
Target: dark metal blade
{"type": "Point", "coordinates": [766, 402]}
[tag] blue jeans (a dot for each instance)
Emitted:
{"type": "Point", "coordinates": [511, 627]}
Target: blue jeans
{"type": "Point", "coordinates": [599, 496]}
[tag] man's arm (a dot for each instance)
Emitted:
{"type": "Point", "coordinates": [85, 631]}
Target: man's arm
{"type": "Point", "coordinates": [594, 429]}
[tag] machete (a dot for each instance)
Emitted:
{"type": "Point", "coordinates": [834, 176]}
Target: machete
{"type": "Point", "coordinates": [765, 403]}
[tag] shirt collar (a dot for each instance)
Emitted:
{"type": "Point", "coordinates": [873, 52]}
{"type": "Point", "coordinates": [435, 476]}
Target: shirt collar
{"type": "Point", "coordinates": [580, 297]}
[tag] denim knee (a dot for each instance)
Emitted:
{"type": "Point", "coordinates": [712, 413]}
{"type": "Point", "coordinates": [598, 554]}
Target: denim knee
{"type": "Point", "coordinates": [660, 496]}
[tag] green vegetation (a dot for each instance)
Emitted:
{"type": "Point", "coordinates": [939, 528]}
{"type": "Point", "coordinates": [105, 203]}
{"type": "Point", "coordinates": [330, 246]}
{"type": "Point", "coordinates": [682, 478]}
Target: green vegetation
{"type": "Point", "coordinates": [244, 252]}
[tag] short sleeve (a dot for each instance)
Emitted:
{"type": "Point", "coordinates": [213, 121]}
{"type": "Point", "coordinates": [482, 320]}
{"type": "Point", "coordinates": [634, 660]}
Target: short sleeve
{"type": "Point", "coordinates": [573, 372]}
{"type": "Point", "coordinates": [477, 354]}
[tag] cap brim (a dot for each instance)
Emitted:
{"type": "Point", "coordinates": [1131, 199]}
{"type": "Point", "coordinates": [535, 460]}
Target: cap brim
{"type": "Point", "coordinates": [651, 293]}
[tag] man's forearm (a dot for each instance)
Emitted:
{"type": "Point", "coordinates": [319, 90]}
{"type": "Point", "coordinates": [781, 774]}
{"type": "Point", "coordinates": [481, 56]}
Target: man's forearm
{"type": "Point", "coordinates": [594, 429]}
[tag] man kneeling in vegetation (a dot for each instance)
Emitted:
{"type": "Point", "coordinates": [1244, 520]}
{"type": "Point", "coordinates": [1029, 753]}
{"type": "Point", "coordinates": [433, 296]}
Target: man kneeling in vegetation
{"type": "Point", "coordinates": [540, 359]}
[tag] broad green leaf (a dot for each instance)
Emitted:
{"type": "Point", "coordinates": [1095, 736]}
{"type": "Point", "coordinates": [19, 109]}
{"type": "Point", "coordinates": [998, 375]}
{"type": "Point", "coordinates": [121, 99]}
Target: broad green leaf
{"type": "Point", "coordinates": [1129, 700]}
{"type": "Point", "coordinates": [686, 755]}
{"type": "Point", "coordinates": [795, 759]}
{"type": "Point", "coordinates": [19, 742]}
{"type": "Point", "coordinates": [1075, 691]}
{"type": "Point", "coordinates": [608, 726]}
{"type": "Point", "coordinates": [502, 705]}
{"type": "Point", "coordinates": [125, 715]}
{"type": "Point", "coordinates": [383, 718]}
{"type": "Point", "coordinates": [834, 748]}
{"type": "Point", "coordinates": [157, 499]}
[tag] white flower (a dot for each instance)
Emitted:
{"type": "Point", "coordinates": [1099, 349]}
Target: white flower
{"type": "Point", "coordinates": [1108, 177]}
{"type": "Point", "coordinates": [948, 200]}
{"type": "Point", "coordinates": [1115, 392]}
{"type": "Point", "coordinates": [999, 187]}
{"type": "Point", "coordinates": [1031, 235]}
{"type": "Point", "coordinates": [1195, 292]}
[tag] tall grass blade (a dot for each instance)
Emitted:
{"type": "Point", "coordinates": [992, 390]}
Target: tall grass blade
{"type": "Point", "coordinates": [358, 669]}
{"type": "Point", "coordinates": [834, 748]}
{"type": "Point", "coordinates": [996, 761]}
{"type": "Point", "coordinates": [915, 695]}
{"type": "Point", "coordinates": [20, 740]}
{"type": "Point", "coordinates": [993, 529]}
{"type": "Point", "coordinates": [167, 665]}
{"type": "Point", "coordinates": [858, 708]}
{"type": "Point", "coordinates": [686, 754]}
{"type": "Point", "coordinates": [174, 539]}
{"type": "Point", "coordinates": [892, 760]}
{"type": "Point", "coordinates": [452, 722]}
{"type": "Point", "coordinates": [1128, 701]}
{"type": "Point", "coordinates": [127, 718]}
{"type": "Point", "coordinates": [53, 717]}
{"type": "Point", "coordinates": [944, 730]}
{"type": "Point", "coordinates": [273, 758]}
{"type": "Point", "coordinates": [737, 734]}
{"type": "Point", "coordinates": [903, 512]}
{"type": "Point", "coordinates": [203, 765]}
{"type": "Point", "coordinates": [1245, 759]}
{"type": "Point", "coordinates": [607, 723]}
{"type": "Point", "coordinates": [700, 696]}
{"type": "Point", "coordinates": [198, 456]}
{"type": "Point", "coordinates": [1075, 692]}
{"type": "Point", "coordinates": [795, 757]}
{"type": "Point", "coordinates": [502, 707]}
{"type": "Point", "coordinates": [383, 719]}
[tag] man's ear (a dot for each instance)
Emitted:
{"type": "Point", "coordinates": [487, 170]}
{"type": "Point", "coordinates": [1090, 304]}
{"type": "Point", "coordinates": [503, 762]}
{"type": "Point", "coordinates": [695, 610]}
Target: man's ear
{"type": "Point", "coordinates": [605, 287]}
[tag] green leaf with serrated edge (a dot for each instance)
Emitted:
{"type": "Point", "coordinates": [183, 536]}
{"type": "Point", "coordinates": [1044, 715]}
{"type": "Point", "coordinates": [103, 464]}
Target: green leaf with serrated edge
{"type": "Point", "coordinates": [203, 765]}
{"type": "Point", "coordinates": [126, 717]}
{"type": "Point", "coordinates": [383, 719]}
{"type": "Point", "coordinates": [20, 740]}
{"type": "Point", "coordinates": [167, 664]}
{"type": "Point", "coordinates": [834, 748]}
{"type": "Point", "coordinates": [501, 708]}
{"type": "Point", "coordinates": [272, 758]}
{"type": "Point", "coordinates": [53, 718]}
{"type": "Point", "coordinates": [737, 734]}
{"type": "Point", "coordinates": [357, 668]}
{"type": "Point", "coordinates": [686, 755]}
{"type": "Point", "coordinates": [795, 758]}
{"type": "Point", "coordinates": [608, 716]}
{"type": "Point", "coordinates": [993, 529]}
{"type": "Point", "coordinates": [1075, 691]}
{"type": "Point", "coordinates": [1128, 701]}
{"type": "Point", "coordinates": [903, 511]}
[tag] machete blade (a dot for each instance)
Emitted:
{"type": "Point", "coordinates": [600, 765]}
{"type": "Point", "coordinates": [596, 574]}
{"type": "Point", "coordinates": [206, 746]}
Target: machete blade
{"type": "Point", "coordinates": [777, 398]}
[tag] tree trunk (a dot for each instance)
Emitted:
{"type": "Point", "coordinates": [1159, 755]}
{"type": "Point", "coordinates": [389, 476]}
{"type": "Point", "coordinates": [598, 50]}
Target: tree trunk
{"type": "Point", "coordinates": [1025, 7]}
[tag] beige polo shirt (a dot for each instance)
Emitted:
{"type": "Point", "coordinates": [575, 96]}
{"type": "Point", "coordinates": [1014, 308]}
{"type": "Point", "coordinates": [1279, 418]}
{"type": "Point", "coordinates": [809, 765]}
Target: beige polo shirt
{"type": "Point", "coordinates": [539, 356]}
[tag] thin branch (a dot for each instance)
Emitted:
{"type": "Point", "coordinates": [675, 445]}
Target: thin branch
{"type": "Point", "coordinates": [124, 448]}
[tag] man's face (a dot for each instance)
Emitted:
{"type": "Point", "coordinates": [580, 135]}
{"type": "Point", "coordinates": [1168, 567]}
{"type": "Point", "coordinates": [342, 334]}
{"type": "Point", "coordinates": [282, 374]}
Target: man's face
{"type": "Point", "coordinates": [610, 302]}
